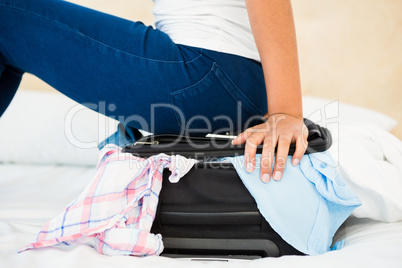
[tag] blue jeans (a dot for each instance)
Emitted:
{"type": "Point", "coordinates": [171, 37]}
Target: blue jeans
{"type": "Point", "coordinates": [126, 70]}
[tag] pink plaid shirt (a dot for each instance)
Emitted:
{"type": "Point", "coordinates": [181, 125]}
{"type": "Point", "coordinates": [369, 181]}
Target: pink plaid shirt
{"type": "Point", "coordinates": [115, 212]}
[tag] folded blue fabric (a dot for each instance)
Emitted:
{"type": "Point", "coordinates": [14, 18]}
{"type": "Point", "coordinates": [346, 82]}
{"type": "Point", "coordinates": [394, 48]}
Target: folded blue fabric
{"type": "Point", "coordinates": [307, 206]}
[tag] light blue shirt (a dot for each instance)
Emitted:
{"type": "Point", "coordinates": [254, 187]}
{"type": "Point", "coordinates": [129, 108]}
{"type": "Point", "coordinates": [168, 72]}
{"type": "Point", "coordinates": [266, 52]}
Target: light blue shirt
{"type": "Point", "coordinates": [307, 206]}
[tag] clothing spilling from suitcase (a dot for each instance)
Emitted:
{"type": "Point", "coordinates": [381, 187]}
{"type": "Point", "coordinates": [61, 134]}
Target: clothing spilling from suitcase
{"type": "Point", "coordinates": [196, 198]}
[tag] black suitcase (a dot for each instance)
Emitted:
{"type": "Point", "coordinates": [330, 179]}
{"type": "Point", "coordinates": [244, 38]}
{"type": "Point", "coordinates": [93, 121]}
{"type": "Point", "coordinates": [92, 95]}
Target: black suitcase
{"type": "Point", "coordinates": [209, 212]}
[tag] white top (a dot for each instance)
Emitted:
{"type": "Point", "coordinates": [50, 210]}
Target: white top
{"type": "Point", "coordinates": [220, 25]}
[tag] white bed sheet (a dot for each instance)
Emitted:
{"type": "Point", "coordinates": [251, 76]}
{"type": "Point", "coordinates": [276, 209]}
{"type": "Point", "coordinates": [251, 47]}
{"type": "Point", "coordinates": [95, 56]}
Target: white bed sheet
{"type": "Point", "coordinates": [39, 184]}
{"type": "Point", "coordinates": [23, 211]}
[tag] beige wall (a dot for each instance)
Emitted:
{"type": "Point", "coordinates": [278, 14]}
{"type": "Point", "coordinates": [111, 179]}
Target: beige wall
{"type": "Point", "coordinates": [349, 50]}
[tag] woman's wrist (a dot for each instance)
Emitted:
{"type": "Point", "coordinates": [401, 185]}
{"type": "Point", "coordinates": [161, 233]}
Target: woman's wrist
{"type": "Point", "coordinates": [268, 115]}
{"type": "Point", "coordinates": [298, 116]}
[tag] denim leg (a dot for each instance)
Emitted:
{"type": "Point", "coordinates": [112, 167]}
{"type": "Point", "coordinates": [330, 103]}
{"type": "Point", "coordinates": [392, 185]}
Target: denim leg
{"type": "Point", "coordinates": [128, 71]}
{"type": "Point", "coordinates": [124, 136]}
{"type": "Point", "coordinates": [113, 66]}
{"type": "Point", "coordinates": [10, 79]}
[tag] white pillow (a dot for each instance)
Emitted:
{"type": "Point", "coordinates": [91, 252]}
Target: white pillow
{"type": "Point", "coordinates": [49, 128]}
{"type": "Point", "coordinates": [325, 111]}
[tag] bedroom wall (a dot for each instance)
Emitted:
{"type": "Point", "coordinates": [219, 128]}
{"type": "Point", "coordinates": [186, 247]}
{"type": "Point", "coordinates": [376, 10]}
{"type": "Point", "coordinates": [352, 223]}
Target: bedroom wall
{"type": "Point", "coordinates": [349, 50]}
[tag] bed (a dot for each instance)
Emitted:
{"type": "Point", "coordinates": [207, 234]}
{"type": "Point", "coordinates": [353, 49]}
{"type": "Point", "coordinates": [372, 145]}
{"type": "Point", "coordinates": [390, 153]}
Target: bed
{"type": "Point", "coordinates": [48, 153]}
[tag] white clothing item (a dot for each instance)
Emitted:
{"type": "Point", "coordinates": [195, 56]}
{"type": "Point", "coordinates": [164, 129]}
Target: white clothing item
{"type": "Point", "coordinates": [115, 212]}
{"type": "Point", "coordinates": [219, 25]}
{"type": "Point", "coordinates": [370, 161]}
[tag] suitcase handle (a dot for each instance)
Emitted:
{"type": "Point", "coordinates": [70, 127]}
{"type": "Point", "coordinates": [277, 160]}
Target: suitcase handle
{"type": "Point", "coordinates": [201, 246]}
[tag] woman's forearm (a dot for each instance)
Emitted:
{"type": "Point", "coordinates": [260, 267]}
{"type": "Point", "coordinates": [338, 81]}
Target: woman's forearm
{"type": "Point", "coordinates": [274, 33]}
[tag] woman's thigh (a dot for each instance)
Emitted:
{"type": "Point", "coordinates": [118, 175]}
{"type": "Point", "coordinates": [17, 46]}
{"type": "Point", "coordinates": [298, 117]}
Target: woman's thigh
{"type": "Point", "coordinates": [112, 65]}
{"type": "Point", "coordinates": [127, 70]}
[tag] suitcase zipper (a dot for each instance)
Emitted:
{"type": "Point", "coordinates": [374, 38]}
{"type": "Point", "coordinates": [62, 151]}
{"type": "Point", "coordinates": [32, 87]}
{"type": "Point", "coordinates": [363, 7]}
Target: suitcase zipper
{"type": "Point", "coordinates": [146, 143]}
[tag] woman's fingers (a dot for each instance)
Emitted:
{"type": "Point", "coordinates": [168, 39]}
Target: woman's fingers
{"type": "Point", "coordinates": [252, 137]}
{"type": "Point", "coordinates": [267, 158]}
{"type": "Point", "coordinates": [273, 134]}
{"type": "Point", "coordinates": [255, 139]}
{"type": "Point", "coordinates": [281, 157]}
{"type": "Point", "coordinates": [301, 147]}
{"type": "Point", "coordinates": [242, 137]}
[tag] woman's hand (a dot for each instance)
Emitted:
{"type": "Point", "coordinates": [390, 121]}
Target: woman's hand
{"type": "Point", "coordinates": [280, 130]}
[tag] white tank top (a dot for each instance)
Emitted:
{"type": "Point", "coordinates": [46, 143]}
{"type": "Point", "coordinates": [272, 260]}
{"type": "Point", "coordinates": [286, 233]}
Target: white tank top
{"type": "Point", "coordinates": [220, 25]}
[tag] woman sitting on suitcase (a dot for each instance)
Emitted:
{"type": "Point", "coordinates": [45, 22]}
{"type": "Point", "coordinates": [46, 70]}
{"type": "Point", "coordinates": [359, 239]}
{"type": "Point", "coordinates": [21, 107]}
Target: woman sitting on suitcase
{"type": "Point", "coordinates": [209, 66]}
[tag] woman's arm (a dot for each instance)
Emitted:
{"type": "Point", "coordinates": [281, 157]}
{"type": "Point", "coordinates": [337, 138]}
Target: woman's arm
{"type": "Point", "coordinates": [274, 33]}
